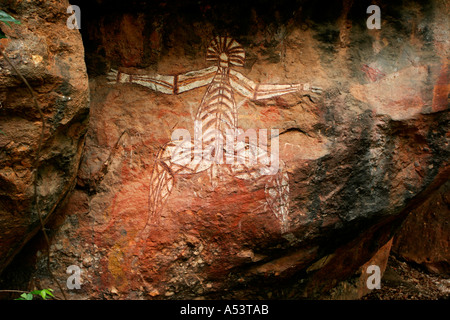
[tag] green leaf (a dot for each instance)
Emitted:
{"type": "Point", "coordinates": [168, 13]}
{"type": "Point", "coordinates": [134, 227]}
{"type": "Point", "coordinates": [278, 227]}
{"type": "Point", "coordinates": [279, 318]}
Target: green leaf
{"type": "Point", "coordinates": [49, 292]}
{"type": "Point", "coordinates": [25, 296]}
{"type": "Point", "coordinates": [6, 18]}
{"type": "Point", "coordinates": [44, 293]}
{"type": "Point", "coordinates": [22, 297]}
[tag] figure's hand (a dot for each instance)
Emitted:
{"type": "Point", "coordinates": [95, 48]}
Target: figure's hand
{"type": "Point", "coordinates": [112, 76]}
{"type": "Point", "coordinates": [115, 76]}
{"type": "Point", "coordinates": [317, 90]}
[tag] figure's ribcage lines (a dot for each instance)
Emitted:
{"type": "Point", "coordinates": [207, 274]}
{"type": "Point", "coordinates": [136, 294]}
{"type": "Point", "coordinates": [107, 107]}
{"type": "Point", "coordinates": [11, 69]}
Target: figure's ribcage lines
{"type": "Point", "coordinates": [217, 117]}
{"type": "Point", "coordinates": [219, 91]}
{"type": "Point", "coordinates": [225, 118]}
{"type": "Point", "coordinates": [219, 104]}
{"type": "Point", "coordinates": [219, 98]}
{"type": "Point", "coordinates": [217, 112]}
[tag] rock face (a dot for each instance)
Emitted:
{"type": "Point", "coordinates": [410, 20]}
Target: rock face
{"type": "Point", "coordinates": [356, 286]}
{"type": "Point", "coordinates": [358, 156]}
{"type": "Point", "coordinates": [425, 235]}
{"type": "Point", "coordinates": [50, 57]}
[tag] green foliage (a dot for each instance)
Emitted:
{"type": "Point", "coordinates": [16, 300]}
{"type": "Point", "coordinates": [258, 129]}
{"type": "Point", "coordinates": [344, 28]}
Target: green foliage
{"type": "Point", "coordinates": [44, 294]}
{"type": "Point", "coordinates": [25, 296]}
{"type": "Point", "coordinates": [6, 18]}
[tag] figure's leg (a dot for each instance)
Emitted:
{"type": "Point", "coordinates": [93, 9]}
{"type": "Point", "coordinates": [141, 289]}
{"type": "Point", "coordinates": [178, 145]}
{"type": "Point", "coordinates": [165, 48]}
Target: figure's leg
{"type": "Point", "coordinates": [174, 158]}
{"type": "Point", "coordinates": [171, 160]}
{"type": "Point", "coordinates": [277, 197]}
{"type": "Point", "coordinates": [161, 183]}
{"type": "Point", "coordinates": [276, 187]}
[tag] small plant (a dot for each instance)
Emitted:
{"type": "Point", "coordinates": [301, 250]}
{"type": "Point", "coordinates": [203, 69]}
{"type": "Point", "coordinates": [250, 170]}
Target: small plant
{"type": "Point", "coordinates": [44, 294]}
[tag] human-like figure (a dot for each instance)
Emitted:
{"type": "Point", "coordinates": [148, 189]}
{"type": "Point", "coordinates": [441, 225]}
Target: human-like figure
{"type": "Point", "coordinates": [217, 114]}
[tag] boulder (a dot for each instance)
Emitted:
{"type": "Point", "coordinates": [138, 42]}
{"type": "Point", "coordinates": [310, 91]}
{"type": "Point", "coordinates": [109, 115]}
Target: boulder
{"type": "Point", "coordinates": [425, 234]}
{"type": "Point", "coordinates": [358, 156]}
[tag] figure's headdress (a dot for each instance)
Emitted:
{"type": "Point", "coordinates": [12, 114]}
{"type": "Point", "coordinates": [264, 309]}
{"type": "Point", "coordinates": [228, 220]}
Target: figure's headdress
{"type": "Point", "coordinates": [226, 51]}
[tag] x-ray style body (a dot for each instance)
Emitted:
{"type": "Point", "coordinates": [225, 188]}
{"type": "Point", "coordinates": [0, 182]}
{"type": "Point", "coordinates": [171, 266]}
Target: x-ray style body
{"type": "Point", "coordinates": [217, 123]}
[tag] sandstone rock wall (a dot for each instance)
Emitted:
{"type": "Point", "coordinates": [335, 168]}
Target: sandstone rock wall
{"type": "Point", "coordinates": [359, 156]}
{"type": "Point", "coordinates": [50, 57]}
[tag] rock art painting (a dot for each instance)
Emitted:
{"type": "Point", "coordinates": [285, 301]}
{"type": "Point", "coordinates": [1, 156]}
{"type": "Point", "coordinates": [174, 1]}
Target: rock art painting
{"type": "Point", "coordinates": [216, 124]}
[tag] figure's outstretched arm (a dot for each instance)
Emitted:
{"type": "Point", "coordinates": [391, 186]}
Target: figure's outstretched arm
{"type": "Point", "coordinates": [163, 83]}
{"type": "Point", "coordinates": [254, 91]}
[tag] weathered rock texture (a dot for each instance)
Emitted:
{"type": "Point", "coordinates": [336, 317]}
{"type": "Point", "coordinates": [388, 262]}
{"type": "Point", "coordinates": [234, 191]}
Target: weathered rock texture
{"type": "Point", "coordinates": [424, 237]}
{"type": "Point", "coordinates": [359, 156]}
{"type": "Point", "coordinates": [355, 286]}
{"type": "Point", "coordinates": [50, 57]}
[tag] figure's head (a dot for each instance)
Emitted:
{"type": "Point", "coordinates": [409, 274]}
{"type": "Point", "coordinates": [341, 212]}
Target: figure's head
{"type": "Point", "coordinates": [226, 51]}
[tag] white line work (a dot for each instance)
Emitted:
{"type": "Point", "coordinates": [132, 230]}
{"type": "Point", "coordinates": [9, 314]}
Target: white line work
{"type": "Point", "coordinates": [217, 121]}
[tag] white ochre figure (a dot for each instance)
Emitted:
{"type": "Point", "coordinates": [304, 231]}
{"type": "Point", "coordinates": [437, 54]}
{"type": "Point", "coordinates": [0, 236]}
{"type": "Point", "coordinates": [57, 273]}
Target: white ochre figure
{"type": "Point", "coordinates": [217, 116]}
